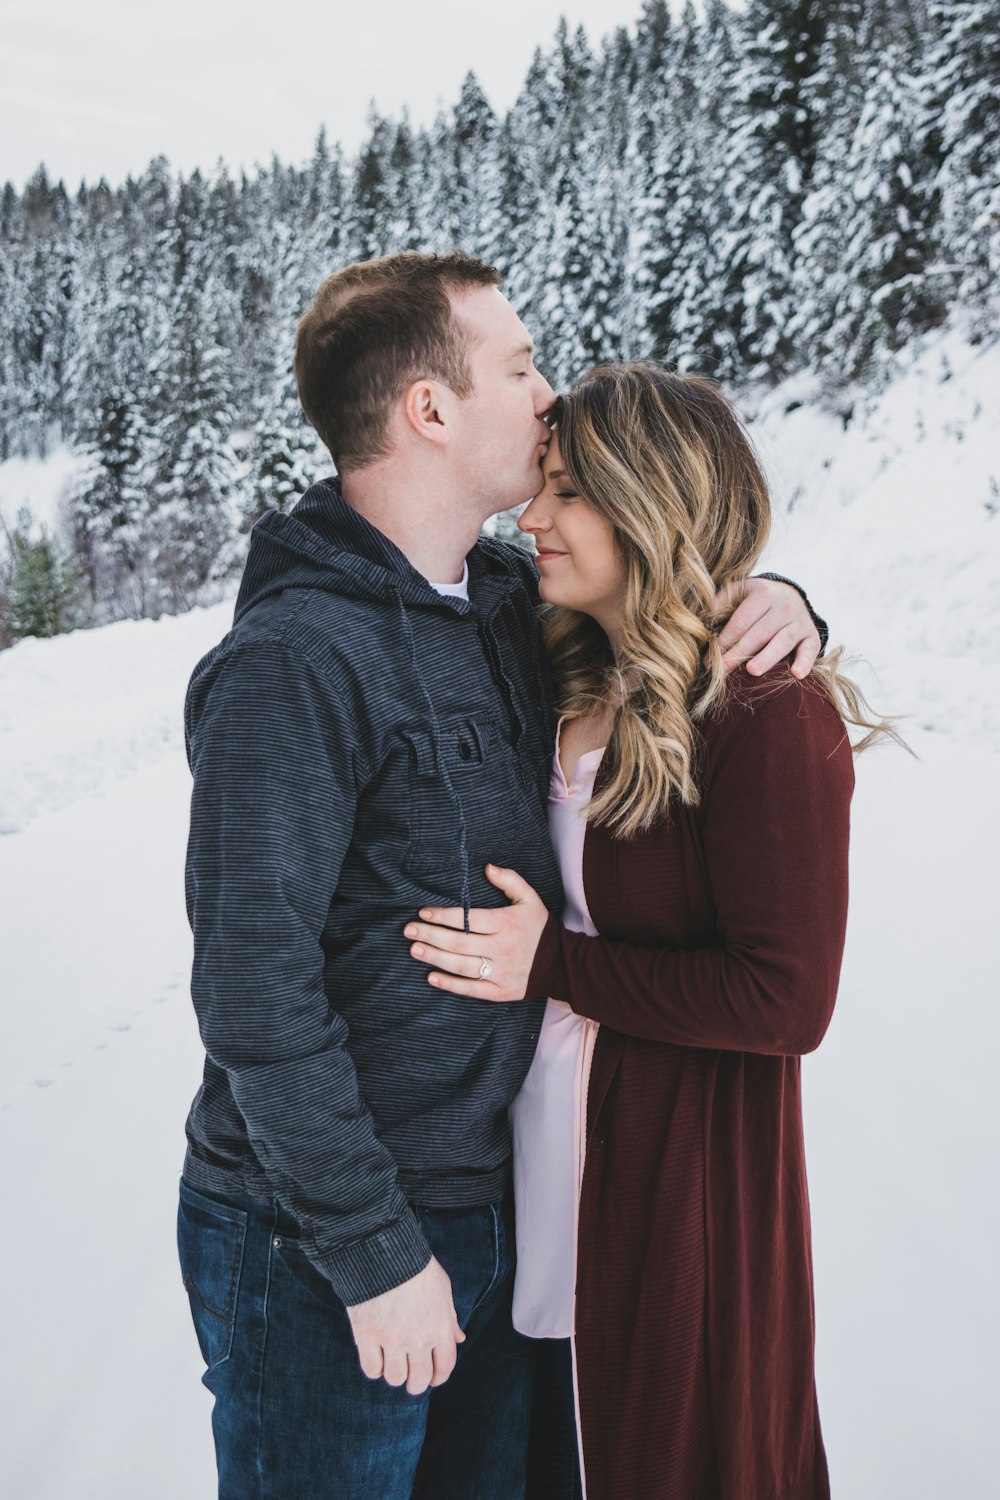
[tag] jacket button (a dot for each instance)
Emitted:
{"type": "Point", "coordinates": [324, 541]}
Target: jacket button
{"type": "Point", "coordinates": [277, 1242]}
{"type": "Point", "coordinates": [465, 749]}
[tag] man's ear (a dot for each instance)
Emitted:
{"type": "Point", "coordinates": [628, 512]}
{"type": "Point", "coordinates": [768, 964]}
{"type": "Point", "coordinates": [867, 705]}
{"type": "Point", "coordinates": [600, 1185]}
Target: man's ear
{"type": "Point", "coordinates": [424, 407]}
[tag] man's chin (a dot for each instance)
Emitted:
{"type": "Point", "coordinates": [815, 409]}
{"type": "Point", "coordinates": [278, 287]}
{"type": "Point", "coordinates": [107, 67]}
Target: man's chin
{"type": "Point", "coordinates": [502, 506]}
{"type": "Point", "coordinates": [521, 494]}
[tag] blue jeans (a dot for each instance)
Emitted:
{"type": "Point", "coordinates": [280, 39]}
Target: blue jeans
{"type": "Point", "coordinates": [295, 1418]}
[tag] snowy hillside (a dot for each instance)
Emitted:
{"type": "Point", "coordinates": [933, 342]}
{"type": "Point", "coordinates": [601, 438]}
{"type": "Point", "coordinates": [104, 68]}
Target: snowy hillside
{"type": "Point", "coordinates": [894, 525]}
{"type": "Point", "coordinates": [893, 528]}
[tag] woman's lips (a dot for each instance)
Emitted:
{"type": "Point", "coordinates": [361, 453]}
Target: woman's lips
{"type": "Point", "coordinates": [543, 556]}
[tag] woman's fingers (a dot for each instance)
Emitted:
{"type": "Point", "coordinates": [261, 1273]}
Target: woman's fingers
{"type": "Point", "coordinates": [477, 989]}
{"type": "Point", "coordinates": [513, 885]}
{"type": "Point", "coordinates": [480, 920]}
{"type": "Point", "coordinates": [452, 963]}
{"type": "Point", "coordinates": [446, 938]}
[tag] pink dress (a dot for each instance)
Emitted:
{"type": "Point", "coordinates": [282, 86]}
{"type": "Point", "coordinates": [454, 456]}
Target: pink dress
{"type": "Point", "coordinates": [548, 1117]}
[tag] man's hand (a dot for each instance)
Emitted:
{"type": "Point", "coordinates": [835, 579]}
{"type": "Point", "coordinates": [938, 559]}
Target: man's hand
{"type": "Point", "coordinates": [409, 1335]}
{"type": "Point", "coordinates": [770, 624]}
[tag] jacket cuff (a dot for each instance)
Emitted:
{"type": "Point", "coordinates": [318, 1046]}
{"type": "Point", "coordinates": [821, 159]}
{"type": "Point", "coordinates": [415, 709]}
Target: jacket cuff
{"type": "Point", "coordinates": [367, 1268]}
{"type": "Point", "coordinates": [818, 621]}
{"type": "Point", "coordinates": [548, 971]}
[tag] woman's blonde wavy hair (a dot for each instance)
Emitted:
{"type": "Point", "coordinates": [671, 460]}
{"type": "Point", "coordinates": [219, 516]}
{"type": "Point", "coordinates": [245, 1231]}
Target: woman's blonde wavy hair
{"type": "Point", "coordinates": [666, 461]}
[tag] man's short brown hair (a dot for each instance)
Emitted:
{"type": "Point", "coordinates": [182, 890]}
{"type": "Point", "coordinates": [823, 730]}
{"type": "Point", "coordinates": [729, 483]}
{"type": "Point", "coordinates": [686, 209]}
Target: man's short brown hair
{"type": "Point", "coordinates": [371, 330]}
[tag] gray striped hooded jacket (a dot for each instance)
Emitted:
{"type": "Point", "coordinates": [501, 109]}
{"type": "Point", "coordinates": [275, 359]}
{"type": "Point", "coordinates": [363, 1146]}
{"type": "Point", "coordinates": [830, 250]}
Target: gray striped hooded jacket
{"type": "Point", "coordinates": [360, 746]}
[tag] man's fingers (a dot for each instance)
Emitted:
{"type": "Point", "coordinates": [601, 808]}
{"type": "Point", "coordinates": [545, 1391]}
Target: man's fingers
{"type": "Point", "coordinates": [773, 625]}
{"type": "Point", "coordinates": [370, 1357]}
{"type": "Point", "coordinates": [805, 656]}
{"type": "Point", "coordinates": [750, 642]}
{"type": "Point", "coordinates": [774, 651]}
{"type": "Point", "coordinates": [445, 1357]}
{"type": "Point", "coordinates": [749, 615]}
{"type": "Point", "coordinates": [395, 1366]}
{"type": "Point", "coordinates": [421, 1373]}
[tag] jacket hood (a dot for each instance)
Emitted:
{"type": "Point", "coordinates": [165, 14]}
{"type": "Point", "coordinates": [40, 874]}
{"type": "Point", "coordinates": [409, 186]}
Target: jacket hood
{"type": "Point", "coordinates": [323, 543]}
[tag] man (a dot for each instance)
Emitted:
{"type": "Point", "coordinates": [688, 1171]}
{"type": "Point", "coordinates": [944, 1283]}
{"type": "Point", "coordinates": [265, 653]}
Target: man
{"type": "Point", "coordinates": [373, 730]}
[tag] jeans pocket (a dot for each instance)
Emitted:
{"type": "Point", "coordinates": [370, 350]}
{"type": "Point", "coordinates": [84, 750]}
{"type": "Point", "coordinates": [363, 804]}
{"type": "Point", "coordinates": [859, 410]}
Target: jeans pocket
{"type": "Point", "coordinates": [471, 1245]}
{"type": "Point", "coordinates": [210, 1241]}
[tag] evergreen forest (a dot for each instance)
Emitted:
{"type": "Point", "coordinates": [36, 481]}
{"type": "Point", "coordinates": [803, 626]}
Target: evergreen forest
{"type": "Point", "coordinates": [747, 193]}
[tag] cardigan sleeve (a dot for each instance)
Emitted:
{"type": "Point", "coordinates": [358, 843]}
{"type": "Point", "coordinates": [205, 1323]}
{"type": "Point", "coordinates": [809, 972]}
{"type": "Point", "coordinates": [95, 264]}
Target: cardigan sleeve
{"type": "Point", "coordinates": [775, 820]}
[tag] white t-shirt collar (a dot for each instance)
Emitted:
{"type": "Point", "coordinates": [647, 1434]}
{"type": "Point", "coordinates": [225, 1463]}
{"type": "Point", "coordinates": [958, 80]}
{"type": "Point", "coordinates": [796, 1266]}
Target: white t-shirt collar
{"type": "Point", "coordinates": [459, 590]}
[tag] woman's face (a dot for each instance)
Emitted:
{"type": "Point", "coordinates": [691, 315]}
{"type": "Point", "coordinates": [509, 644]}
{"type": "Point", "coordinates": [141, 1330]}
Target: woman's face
{"type": "Point", "coordinates": [578, 564]}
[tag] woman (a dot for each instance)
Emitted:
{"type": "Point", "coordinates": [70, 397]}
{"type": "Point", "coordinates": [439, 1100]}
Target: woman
{"type": "Point", "coordinates": [702, 828]}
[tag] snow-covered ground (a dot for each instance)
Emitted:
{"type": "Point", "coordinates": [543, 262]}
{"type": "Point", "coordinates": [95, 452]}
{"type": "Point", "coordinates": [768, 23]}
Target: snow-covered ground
{"type": "Point", "coordinates": [38, 485]}
{"type": "Point", "coordinates": [893, 532]}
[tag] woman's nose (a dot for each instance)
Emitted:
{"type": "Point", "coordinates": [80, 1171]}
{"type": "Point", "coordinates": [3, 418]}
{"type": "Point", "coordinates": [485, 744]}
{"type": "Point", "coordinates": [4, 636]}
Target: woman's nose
{"type": "Point", "coordinates": [532, 520]}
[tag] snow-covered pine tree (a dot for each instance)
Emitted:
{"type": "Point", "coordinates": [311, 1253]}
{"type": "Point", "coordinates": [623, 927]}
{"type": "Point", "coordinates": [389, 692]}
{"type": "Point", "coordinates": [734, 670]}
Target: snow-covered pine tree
{"type": "Point", "coordinates": [882, 295]}
{"type": "Point", "coordinates": [962, 130]}
{"type": "Point", "coordinates": [408, 191]}
{"type": "Point", "coordinates": [40, 591]}
{"type": "Point", "coordinates": [770, 161]}
{"type": "Point", "coordinates": [836, 92]}
{"type": "Point", "coordinates": [579, 303]}
{"type": "Point", "coordinates": [108, 506]}
{"type": "Point", "coordinates": [511, 242]}
{"type": "Point", "coordinates": [465, 188]}
{"type": "Point", "coordinates": [670, 230]}
{"type": "Point", "coordinates": [284, 456]}
{"type": "Point", "coordinates": [38, 309]}
{"type": "Point", "coordinates": [369, 226]}
{"type": "Point", "coordinates": [195, 470]}
{"type": "Point", "coordinates": [572, 301]}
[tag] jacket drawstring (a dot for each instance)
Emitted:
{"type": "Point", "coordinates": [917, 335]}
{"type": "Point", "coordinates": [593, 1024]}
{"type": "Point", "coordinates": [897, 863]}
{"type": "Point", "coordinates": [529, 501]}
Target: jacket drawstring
{"type": "Point", "coordinates": [463, 847]}
{"type": "Point", "coordinates": [520, 723]}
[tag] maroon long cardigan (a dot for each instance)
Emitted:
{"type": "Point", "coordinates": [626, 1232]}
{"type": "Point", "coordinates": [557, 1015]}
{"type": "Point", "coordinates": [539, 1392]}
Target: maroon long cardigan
{"type": "Point", "coordinates": [721, 934]}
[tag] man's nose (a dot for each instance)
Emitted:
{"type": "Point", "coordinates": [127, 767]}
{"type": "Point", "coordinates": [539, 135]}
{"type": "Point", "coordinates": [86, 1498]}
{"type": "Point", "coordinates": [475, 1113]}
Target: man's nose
{"type": "Point", "coordinates": [545, 395]}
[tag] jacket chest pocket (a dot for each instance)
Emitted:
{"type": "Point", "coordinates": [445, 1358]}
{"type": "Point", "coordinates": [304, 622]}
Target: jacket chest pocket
{"type": "Point", "coordinates": [469, 753]}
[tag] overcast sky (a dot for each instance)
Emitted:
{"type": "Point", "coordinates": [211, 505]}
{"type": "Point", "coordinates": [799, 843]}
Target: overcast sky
{"type": "Point", "coordinates": [98, 88]}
